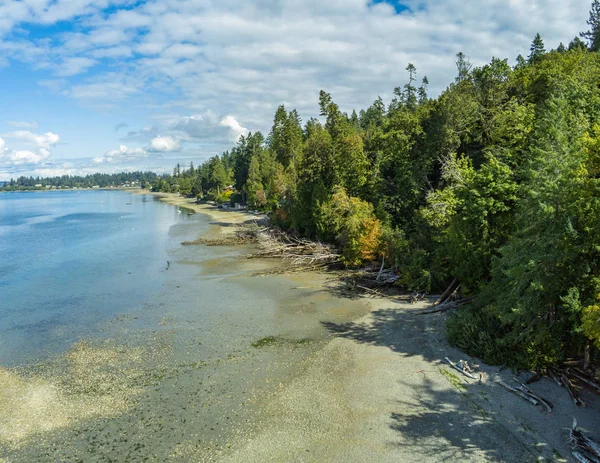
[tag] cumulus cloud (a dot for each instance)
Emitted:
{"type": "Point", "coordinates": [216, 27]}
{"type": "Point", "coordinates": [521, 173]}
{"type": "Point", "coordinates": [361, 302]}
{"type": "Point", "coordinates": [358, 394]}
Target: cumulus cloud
{"type": "Point", "coordinates": [46, 140]}
{"type": "Point", "coordinates": [227, 65]}
{"type": "Point", "coordinates": [121, 154]}
{"type": "Point", "coordinates": [163, 145]}
{"type": "Point", "coordinates": [38, 152]}
{"type": "Point", "coordinates": [208, 126]}
{"type": "Point", "coordinates": [20, 157]}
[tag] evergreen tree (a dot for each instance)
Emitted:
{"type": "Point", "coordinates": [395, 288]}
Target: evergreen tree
{"type": "Point", "coordinates": [577, 44]}
{"type": "Point", "coordinates": [410, 92]}
{"type": "Point", "coordinates": [537, 49]}
{"type": "Point", "coordinates": [521, 63]}
{"type": "Point", "coordinates": [463, 66]}
{"type": "Point", "coordinates": [593, 34]}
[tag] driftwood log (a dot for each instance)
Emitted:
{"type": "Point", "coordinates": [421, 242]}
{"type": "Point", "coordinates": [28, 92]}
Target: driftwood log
{"type": "Point", "coordinates": [585, 450]}
{"type": "Point", "coordinates": [463, 367]}
{"type": "Point", "coordinates": [446, 294]}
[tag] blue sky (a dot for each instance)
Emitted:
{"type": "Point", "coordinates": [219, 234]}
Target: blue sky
{"type": "Point", "coordinates": [116, 85]}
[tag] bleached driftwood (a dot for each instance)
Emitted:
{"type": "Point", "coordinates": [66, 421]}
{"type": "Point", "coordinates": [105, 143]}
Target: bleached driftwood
{"type": "Point", "coordinates": [463, 367]}
{"type": "Point", "coordinates": [585, 449]}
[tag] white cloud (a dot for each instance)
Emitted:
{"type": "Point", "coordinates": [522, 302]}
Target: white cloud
{"type": "Point", "coordinates": [122, 154]}
{"type": "Point", "coordinates": [23, 124]}
{"type": "Point", "coordinates": [38, 148]}
{"type": "Point", "coordinates": [208, 126]}
{"type": "Point", "coordinates": [46, 140]}
{"type": "Point", "coordinates": [163, 145]}
{"type": "Point", "coordinates": [75, 65]}
{"type": "Point", "coordinates": [234, 126]}
{"type": "Point", "coordinates": [228, 65]}
{"type": "Point", "coordinates": [21, 157]}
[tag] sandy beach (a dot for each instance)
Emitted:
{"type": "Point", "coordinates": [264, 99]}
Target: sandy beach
{"type": "Point", "coordinates": [381, 391]}
{"type": "Point", "coordinates": [301, 372]}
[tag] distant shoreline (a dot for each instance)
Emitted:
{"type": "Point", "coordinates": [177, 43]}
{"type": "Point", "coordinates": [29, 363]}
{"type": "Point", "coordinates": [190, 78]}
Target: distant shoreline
{"type": "Point", "coordinates": [213, 212]}
{"type": "Point", "coordinates": [70, 189]}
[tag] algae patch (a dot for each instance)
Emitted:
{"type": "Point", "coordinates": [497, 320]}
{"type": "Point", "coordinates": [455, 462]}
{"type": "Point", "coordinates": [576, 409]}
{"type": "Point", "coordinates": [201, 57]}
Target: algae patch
{"type": "Point", "coordinates": [87, 382]}
{"type": "Point", "coordinates": [274, 341]}
{"type": "Point", "coordinates": [265, 342]}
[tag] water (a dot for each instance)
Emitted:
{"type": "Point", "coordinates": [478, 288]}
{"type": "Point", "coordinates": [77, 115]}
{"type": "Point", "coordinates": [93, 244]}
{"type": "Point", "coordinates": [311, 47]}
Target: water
{"type": "Point", "coordinates": [105, 355]}
{"type": "Point", "coordinates": [72, 259]}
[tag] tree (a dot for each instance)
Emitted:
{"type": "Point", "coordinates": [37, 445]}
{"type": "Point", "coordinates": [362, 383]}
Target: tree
{"type": "Point", "coordinates": [410, 92]}
{"type": "Point", "coordinates": [463, 65]}
{"type": "Point", "coordinates": [521, 63]}
{"type": "Point", "coordinates": [561, 48]}
{"type": "Point", "coordinates": [422, 92]}
{"type": "Point", "coordinates": [593, 34]}
{"type": "Point", "coordinates": [537, 49]}
{"type": "Point", "coordinates": [577, 44]}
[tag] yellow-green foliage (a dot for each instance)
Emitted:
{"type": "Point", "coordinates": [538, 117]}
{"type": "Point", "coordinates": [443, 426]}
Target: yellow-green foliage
{"type": "Point", "coordinates": [355, 226]}
{"type": "Point", "coordinates": [591, 323]}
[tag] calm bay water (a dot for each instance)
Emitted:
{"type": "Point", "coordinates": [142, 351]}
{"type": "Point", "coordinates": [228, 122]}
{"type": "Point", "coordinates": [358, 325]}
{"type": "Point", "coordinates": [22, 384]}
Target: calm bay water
{"type": "Point", "coordinates": [72, 259]}
{"type": "Point", "coordinates": [131, 361]}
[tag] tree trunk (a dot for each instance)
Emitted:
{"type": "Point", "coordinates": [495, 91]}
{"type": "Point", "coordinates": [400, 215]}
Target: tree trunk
{"type": "Point", "coordinates": [446, 294]}
{"type": "Point", "coordinates": [586, 356]}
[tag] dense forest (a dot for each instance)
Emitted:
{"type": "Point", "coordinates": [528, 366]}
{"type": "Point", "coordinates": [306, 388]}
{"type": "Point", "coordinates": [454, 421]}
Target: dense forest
{"type": "Point", "coordinates": [494, 185]}
{"type": "Point", "coordinates": [143, 179]}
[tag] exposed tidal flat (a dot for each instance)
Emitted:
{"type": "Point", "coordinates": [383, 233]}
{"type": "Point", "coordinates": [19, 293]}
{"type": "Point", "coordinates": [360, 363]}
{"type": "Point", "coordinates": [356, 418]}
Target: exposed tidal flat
{"type": "Point", "coordinates": [176, 375]}
{"type": "Point", "coordinates": [211, 363]}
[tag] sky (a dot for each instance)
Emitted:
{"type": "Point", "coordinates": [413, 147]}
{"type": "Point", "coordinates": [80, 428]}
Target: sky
{"type": "Point", "coordinates": [119, 85]}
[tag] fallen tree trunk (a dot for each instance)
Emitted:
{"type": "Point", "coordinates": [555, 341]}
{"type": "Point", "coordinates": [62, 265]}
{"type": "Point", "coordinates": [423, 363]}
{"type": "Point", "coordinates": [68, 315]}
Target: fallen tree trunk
{"type": "Point", "coordinates": [446, 306]}
{"type": "Point", "coordinates": [446, 294]}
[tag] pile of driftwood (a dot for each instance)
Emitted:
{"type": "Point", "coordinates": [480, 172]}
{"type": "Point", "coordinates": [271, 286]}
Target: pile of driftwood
{"type": "Point", "coordinates": [243, 234]}
{"type": "Point", "coordinates": [371, 280]}
{"type": "Point", "coordinates": [527, 394]}
{"type": "Point", "coordinates": [585, 450]}
{"type": "Point", "coordinates": [572, 379]}
{"type": "Point", "coordinates": [300, 254]}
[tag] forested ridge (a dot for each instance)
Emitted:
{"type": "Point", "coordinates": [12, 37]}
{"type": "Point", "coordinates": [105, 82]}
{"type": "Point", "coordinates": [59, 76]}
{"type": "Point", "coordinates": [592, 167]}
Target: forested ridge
{"type": "Point", "coordinates": [143, 179]}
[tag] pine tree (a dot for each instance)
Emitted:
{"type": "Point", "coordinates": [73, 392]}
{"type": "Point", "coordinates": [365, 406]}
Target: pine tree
{"type": "Point", "coordinates": [410, 91]}
{"type": "Point", "coordinates": [537, 49]}
{"type": "Point", "coordinates": [561, 48]}
{"type": "Point", "coordinates": [521, 63]}
{"type": "Point", "coordinates": [577, 44]}
{"type": "Point", "coordinates": [423, 90]}
{"type": "Point", "coordinates": [463, 65]}
{"type": "Point", "coordinates": [593, 35]}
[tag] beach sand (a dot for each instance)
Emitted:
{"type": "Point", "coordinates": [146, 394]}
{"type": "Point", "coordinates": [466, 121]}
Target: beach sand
{"type": "Point", "coordinates": [341, 379]}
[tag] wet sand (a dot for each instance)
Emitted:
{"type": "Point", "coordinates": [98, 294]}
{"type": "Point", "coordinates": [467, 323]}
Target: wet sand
{"type": "Point", "coordinates": [179, 379]}
{"type": "Point", "coordinates": [273, 369]}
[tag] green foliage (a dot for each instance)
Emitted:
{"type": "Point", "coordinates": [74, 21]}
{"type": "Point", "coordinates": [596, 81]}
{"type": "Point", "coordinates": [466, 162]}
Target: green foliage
{"type": "Point", "coordinates": [354, 225]}
{"type": "Point", "coordinates": [495, 182]}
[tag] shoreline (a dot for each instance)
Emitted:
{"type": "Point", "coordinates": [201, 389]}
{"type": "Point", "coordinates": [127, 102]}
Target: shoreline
{"type": "Point", "coordinates": [223, 220]}
{"type": "Point", "coordinates": [380, 390]}
{"type": "Point", "coordinates": [374, 387]}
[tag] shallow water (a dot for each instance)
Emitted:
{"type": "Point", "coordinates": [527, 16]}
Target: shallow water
{"type": "Point", "coordinates": [72, 259]}
{"type": "Point", "coordinates": [163, 373]}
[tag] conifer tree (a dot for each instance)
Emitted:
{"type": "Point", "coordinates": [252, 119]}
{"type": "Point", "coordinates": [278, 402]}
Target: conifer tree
{"type": "Point", "coordinates": [593, 35]}
{"type": "Point", "coordinates": [537, 49]}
